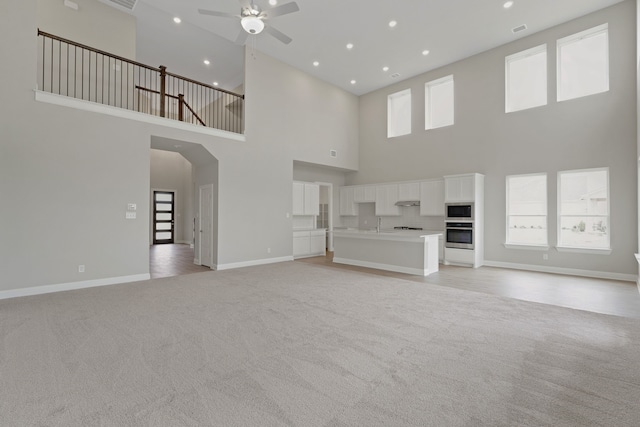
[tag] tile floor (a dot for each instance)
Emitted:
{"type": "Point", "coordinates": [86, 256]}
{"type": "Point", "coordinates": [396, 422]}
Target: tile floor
{"type": "Point", "coordinates": [172, 260]}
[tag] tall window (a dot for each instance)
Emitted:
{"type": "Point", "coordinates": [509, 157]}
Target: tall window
{"type": "Point", "coordinates": [526, 79]}
{"type": "Point", "coordinates": [439, 103]}
{"type": "Point", "coordinates": [583, 63]}
{"type": "Point", "coordinates": [583, 209]}
{"type": "Point", "coordinates": [399, 114]}
{"type": "Point", "coordinates": [527, 210]}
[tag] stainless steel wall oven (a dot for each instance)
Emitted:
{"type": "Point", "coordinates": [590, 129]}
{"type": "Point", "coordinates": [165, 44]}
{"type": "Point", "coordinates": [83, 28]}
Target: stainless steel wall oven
{"type": "Point", "coordinates": [459, 235]}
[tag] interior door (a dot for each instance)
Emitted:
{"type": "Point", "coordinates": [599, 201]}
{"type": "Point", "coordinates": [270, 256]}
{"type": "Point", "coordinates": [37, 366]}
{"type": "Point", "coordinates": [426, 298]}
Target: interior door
{"type": "Point", "coordinates": [206, 224]}
{"type": "Point", "coordinates": [163, 217]}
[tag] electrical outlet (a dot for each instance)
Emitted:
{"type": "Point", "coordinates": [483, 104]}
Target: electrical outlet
{"type": "Point", "coordinates": [545, 257]}
{"type": "Point", "coordinates": [81, 268]}
{"type": "Point", "coordinates": [268, 250]}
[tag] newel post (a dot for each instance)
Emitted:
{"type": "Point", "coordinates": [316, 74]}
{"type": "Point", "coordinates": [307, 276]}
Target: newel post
{"type": "Point", "coordinates": [163, 78]}
{"type": "Point", "coordinates": [181, 107]}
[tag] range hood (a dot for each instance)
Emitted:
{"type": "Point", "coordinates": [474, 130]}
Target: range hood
{"type": "Point", "coordinates": [408, 203]}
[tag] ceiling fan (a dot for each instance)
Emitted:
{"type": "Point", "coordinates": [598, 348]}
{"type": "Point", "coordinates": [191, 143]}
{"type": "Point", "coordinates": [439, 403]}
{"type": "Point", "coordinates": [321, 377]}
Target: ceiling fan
{"type": "Point", "coordinates": [252, 19]}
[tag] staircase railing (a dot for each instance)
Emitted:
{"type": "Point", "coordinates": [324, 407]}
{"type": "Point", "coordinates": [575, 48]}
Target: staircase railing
{"type": "Point", "coordinates": [79, 71]}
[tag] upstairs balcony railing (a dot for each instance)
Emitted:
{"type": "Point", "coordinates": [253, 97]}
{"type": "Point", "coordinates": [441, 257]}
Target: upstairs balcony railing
{"type": "Point", "coordinates": [78, 71]}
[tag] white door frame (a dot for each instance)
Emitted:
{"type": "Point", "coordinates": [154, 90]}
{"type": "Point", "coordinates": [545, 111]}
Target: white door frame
{"type": "Point", "coordinates": [199, 259]}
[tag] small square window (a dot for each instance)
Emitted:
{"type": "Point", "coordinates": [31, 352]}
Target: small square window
{"type": "Point", "coordinates": [439, 100]}
{"type": "Point", "coordinates": [526, 79]}
{"type": "Point", "coordinates": [399, 114]}
{"type": "Point", "coordinates": [583, 63]}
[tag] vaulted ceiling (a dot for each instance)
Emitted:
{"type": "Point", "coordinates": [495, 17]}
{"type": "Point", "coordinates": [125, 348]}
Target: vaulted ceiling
{"type": "Point", "coordinates": [449, 30]}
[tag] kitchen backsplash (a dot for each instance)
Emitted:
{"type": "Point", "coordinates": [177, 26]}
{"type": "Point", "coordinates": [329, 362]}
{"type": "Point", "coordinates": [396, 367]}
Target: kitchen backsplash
{"type": "Point", "coordinates": [409, 217]}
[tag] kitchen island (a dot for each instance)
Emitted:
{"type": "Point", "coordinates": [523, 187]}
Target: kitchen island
{"type": "Point", "coordinates": [403, 251]}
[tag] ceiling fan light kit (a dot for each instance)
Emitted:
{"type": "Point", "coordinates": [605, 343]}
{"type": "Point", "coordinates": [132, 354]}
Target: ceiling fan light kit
{"type": "Point", "coordinates": [252, 24]}
{"type": "Point", "coordinates": [252, 19]}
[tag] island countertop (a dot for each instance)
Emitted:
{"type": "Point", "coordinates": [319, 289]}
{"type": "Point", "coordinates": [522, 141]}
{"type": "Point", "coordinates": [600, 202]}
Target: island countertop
{"type": "Point", "coordinates": [386, 234]}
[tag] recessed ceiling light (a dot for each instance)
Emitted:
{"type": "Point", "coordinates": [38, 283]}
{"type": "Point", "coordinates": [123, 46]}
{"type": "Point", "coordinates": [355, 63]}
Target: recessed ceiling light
{"type": "Point", "coordinates": [353, 82]}
{"type": "Point", "coordinates": [349, 45]}
{"type": "Point", "coordinates": [508, 4]}
{"type": "Point", "coordinates": [425, 52]}
{"type": "Point", "coordinates": [177, 146]}
{"type": "Point", "coordinates": [177, 20]}
{"type": "Point", "coordinates": [316, 63]}
{"type": "Point", "coordinates": [385, 69]}
{"type": "Point", "coordinates": [215, 83]}
{"type": "Point", "coordinates": [393, 23]}
{"type": "Point", "coordinates": [273, 2]}
{"type": "Point", "coordinates": [207, 62]}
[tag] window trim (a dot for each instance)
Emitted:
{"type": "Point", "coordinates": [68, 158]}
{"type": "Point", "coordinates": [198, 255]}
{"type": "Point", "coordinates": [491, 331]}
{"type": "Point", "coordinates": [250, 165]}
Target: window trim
{"type": "Point", "coordinates": [520, 55]}
{"type": "Point", "coordinates": [390, 97]}
{"type": "Point", "coordinates": [427, 107]}
{"type": "Point", "coordinates": [531, 246]}
{"type": "Point", "coordinates": [591, 32]}
{"type": "Point", "coordinates": [577, 249]}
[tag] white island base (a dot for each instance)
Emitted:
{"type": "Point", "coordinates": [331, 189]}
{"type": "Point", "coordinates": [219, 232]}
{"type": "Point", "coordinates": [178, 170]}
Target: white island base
{"type": "Point", "coordinates": [401, 251]}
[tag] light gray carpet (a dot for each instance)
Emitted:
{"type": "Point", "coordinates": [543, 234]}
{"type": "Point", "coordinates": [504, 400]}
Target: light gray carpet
{"type": "Point", "coordinates": [297, 344]}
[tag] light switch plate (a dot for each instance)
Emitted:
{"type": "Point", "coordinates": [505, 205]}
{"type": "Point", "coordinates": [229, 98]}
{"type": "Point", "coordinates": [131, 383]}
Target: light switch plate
{"type": "Point", "coordinates": [132, 207]}
{"type": "Point", "coordinates": [130, 215]}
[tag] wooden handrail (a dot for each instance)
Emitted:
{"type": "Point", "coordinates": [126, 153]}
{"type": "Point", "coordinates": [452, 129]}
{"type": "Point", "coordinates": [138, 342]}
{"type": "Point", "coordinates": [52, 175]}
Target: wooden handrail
{"type": "Point", "coordinates": [120, 58]}
{"type": "Point", "coordinates": [180, 99]}
{"type": "Point", "coordinates": [155, 91]}
{"type": "Point", "coordinates": [194, 113]}
{"type": "Point", "coordinates": [204, 84]}
{"type": "Point", "coordinates": [101, 52]}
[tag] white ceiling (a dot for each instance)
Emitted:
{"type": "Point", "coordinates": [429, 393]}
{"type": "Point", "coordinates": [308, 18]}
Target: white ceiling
{"type": "Point", "coordinates": [450, 29]}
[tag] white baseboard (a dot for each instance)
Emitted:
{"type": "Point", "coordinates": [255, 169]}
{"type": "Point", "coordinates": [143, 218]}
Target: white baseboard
{"type": "Point", "coordinates": [388, 267]}
{"type": "Point", "coordinates": [46, 289]}
{"type": "Point", "coordinates": [566, 271]}
{"type": "Point", "coordinates": [183, 242]}
{"type": "Point", "coordinates": [232, 265]}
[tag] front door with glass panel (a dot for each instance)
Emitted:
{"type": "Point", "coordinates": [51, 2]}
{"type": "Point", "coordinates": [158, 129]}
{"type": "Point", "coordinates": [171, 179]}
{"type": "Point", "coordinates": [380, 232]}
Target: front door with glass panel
{"type": "Point", "coordinates": [163, 217]}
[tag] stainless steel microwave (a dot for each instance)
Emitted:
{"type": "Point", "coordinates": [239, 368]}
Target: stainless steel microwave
{"type": "Point", "coordinates": [459, 211]}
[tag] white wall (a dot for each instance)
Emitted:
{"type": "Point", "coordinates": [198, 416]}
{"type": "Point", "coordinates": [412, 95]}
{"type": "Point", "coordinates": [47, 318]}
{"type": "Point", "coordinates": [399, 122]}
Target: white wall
{"type": "Point", "coordinates": [594, 131]}
{"type": "Point", "coordinates": [171, 171]}
{"type": "Point", "coordinates": [67, 175]}
{"type": "Point", "coordinates": [98, 25]}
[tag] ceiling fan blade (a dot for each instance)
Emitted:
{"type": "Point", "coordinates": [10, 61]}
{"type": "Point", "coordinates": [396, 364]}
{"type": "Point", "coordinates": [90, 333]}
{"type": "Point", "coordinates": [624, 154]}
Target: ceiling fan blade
{"type": "Point", "coordinates": [282, 10]}
{"type": "Point", "coordinates": [277, 34]}
{"type": "Point", "coordinates": [242, 37]}
{"type": "Point", "coordinates": [215, 13]}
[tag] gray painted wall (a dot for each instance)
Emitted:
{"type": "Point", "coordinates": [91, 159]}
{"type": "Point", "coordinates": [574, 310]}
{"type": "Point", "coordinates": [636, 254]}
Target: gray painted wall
{"type": "Point", "coordinates": [96, 24]}
{"type": "Point", "coordinates": [67, 175]}
{"type": "Point", "coordinates": [594, 131]}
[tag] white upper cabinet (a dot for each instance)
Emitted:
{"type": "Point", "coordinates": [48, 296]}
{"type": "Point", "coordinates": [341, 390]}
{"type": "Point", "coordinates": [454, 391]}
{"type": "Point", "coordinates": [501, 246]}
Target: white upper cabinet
{"type": "Point", "coordinates": [298, 198]}
{"type": "Point", "coordinates": [311, 199]}
{"type": "Point", "coordinates": [432, 198]}
{"type": "Point", "coordinates": [459, 188]}
{"type": "Point", "coordinates": [386, 198]}
{"type": "Point", "coordinates": [306, 198]}
{"type": "Point", "coordinates": [364, 194]}
{"type": "Point", "coordinates": [409, 191]}
{"type": "Point", "coordinates": [348, 207]}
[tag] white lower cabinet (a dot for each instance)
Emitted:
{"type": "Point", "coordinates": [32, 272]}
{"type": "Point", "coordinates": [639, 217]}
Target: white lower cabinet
{"type": "Point", "coordinates": [459, 256]}
{"type": "Point", "coordinates": [309, 243]}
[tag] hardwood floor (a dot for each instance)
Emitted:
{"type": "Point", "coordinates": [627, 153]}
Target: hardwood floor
{"type": "Point", "coordinates": [172, 260]}
{"type": "Point", "coordinates": [598, 295]}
